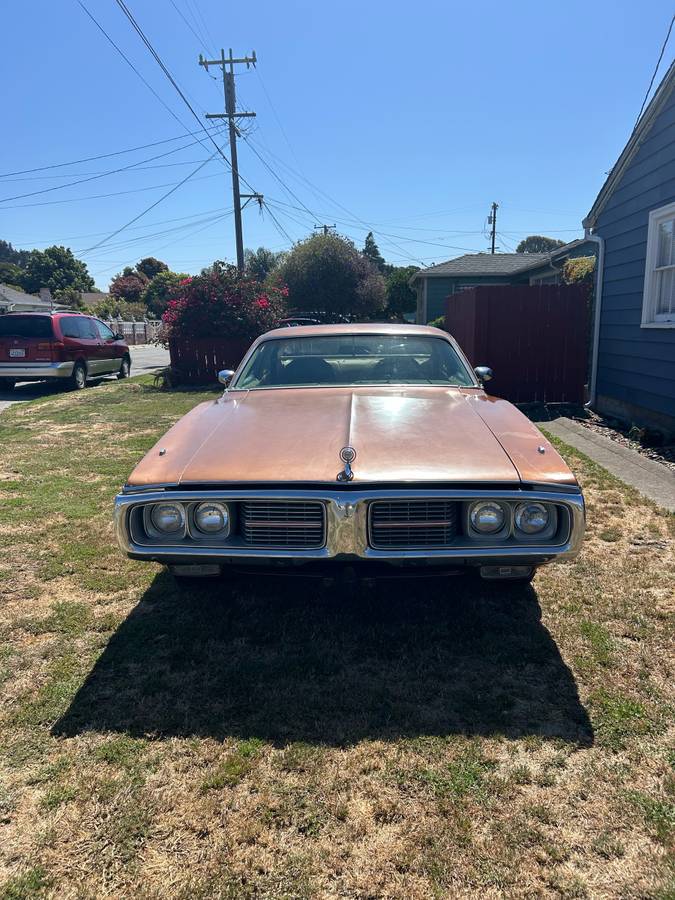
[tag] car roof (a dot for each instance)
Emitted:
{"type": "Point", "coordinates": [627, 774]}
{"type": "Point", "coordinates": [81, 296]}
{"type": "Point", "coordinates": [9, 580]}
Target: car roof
{"type": "Point", "coordinates": [51, 314]}
{"type": "Point", "coordinates": [355, 328]}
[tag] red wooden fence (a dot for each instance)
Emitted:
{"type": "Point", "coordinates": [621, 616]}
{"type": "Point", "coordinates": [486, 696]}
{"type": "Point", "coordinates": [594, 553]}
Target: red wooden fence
{"type": "Point", "coordinates": [198, 360]}
{"type": "Point", "coordinates": [535, 338]}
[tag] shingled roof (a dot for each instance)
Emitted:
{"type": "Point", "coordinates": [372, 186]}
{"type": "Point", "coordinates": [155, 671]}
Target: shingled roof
{"type": "Point", "coordinates": [486, 264]}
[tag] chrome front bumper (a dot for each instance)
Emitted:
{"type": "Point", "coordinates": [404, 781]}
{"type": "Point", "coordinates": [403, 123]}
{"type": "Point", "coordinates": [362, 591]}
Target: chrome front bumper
{"type": "Point", "coordinates": [347, 528]}
{"type": "Point", "coordinates": [34, 371]}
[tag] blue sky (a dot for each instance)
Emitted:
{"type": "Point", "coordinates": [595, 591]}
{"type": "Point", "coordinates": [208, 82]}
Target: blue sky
{"type": "Point", "coordinates": [407, 118]}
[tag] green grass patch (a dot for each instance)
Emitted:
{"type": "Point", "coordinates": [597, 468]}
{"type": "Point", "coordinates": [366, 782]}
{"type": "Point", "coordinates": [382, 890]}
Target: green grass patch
{"type": "Point", "coordinates": [28, 885]}
{"type": "Point", "coordinates": [236, 766]}
{"type": "Point", "coordinates": [617, 719]}
{"type": "Point", "coordinates": [599, 641]}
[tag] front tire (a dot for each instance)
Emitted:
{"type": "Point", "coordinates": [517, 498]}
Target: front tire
{"type": "Point", "coordinates": [78, 379]}
{"type": "Point", "coordinates": [125, 368]}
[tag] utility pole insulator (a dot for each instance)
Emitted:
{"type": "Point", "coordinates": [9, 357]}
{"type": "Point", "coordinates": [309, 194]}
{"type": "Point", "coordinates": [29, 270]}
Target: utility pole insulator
{"type": "Point", "coordinates": [325, 228]}
{"type": "Point", "coordinates": [227, 65]}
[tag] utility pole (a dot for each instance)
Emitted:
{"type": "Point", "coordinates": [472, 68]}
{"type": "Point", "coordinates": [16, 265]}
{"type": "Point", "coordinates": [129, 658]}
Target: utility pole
{"type": "Point", "coordinates": [325, 228]}
{"type": "Point", "coordinates": [492, 220]}
{"type": "Point", "coordinates": [231, 114]}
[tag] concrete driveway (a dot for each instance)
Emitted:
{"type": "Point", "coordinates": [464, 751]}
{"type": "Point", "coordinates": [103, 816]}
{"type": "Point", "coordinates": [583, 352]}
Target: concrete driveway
{"type": "Point", "coordinates": [144, 358]}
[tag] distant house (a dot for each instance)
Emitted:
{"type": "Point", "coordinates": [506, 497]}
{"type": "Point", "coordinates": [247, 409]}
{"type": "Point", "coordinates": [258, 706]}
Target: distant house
{"type": "Point", "coordinates": [435, 284]}
{"type": "Point", "coordinates": [633, 220]}
{"type": "Point", "coordinates": [14, 300]}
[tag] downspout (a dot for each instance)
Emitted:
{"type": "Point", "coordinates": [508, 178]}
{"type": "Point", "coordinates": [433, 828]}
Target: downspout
{"type": "Point", "coordinates": [597, 315]}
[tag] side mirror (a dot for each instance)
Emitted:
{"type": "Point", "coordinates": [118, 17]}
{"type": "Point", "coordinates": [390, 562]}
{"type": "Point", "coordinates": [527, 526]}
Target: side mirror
{"type": "Point", "coordinates": [118, 337]}
{"type": "Point", "coordinates": [225, 376]}
{"type": "Point", "coordinates": [483, 373]}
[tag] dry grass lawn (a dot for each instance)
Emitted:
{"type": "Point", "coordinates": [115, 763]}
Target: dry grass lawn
{"type": "Point", "coordinates": [273, 738]}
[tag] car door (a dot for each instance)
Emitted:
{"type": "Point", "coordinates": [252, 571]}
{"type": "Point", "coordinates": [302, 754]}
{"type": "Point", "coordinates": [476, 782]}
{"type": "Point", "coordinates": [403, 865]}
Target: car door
{"type": "Point", "coordinates": [76, 344]}
{"type": "Point", "coordinates": [92, 346]}
{"type": "Point", "coordinates": [111, 351]}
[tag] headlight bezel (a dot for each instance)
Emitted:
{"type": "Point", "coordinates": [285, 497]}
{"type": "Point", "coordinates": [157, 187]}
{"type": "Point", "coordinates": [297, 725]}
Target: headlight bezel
{"type": "Point", "coordinates": [546, 533]}
{"type": "Point", "coordinates": [509, 533]}
{"type": "Point", "coordinates": [154, 532]}
{"type": "Point", "coordinates": [496, 534]}
{"type": "Point", "coordinates": [198, 532]}
{"type": "Point", "coordinates": [520, 511]}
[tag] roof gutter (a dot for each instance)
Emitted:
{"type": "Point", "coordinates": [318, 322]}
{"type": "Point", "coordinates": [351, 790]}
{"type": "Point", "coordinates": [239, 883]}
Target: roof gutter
{"type": "Point", "coordinates": [597, 314]}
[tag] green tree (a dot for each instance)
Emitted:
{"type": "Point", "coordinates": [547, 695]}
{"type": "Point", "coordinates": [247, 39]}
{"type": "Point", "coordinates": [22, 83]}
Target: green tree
{"type": "Point", "coordinates": [57, 269]}
{"type": "Point", "coordinates": [538, 243]}
{"type": "Point", "coordinates": [11, 255]}
{"type": "Point", "coordinates": [401, 298]}
{"type": "Point", "coordinates": [161, 289]}
{"type": "Point", "coordinates": [71, 297]}
{"type": "Point", "coordinates": [327, 275]}
{"type": "Point", "coordinates": [10, 274]}
{"type": "Point", "coordinates": [150, 266]}
{"type": "Point", "coordinates": [109, 307]}
{"type": "Point", "coordinates": [262, 262]}
{"type": "Point", "coordinates": [372, 252]}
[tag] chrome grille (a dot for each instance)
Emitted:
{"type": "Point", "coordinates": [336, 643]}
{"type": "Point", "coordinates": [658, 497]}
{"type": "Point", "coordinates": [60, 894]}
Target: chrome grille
{"type": "Point", "coordinates": [408, 524]}
{"type": "Point", "coordinates": [294, 524]}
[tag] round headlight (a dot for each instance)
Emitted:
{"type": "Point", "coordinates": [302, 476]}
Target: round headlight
{"type": "Point", "coordinates": [531, 518]}
{"type": "Point", "coordinates": [211, 517]}
{"type": "Point", "coordinates": [167, 517]}
{"type": "Point", "coordinates": [487, 517]}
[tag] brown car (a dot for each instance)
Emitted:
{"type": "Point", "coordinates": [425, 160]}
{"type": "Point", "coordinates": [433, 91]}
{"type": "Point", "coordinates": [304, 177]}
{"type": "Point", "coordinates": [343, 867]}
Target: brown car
{"type": "Point", "coordinates": [66, 348]}
{"type": "Point", "coordinates": [366, 444]}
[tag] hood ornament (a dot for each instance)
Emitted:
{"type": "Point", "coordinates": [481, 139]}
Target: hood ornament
{"type": "Point", "coordinates": [347, 455]}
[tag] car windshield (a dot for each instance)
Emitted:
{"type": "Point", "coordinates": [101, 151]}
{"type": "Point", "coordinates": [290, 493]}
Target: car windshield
{"type": "Point", "coordinates": [25, 326]}
{"type": "Point", "coordinates": [353, 359]}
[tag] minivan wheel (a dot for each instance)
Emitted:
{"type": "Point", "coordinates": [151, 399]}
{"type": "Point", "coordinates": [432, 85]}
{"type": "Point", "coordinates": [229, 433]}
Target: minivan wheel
{"type": "Point", "coordinates": [125, 368]}
{"type": "Point", "coordinates": [78, 379]}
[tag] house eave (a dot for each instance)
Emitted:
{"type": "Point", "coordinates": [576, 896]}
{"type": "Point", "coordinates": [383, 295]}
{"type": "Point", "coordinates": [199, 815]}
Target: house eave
{"type": "Point", "coordinates": [634, 142]}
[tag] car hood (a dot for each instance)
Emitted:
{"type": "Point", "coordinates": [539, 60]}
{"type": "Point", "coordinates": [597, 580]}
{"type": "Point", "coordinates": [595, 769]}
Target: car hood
{"type": "Point", "coordinates": [429, 434]}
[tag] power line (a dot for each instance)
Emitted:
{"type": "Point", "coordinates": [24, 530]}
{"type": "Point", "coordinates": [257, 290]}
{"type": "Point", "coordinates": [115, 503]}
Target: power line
{"type": "Point", "coordinates": [137, 28]}
{"type": "Point", "coordinates": [158, 234]}
{"type": "Point", "coordinates": [335, 202]}
{"type": "Point", "coordinates": [168, 244]}
{"type": "Point", "coordinates": [200, 38]}
{"type": "Point", "coordinates": [147, 210]}
{"type": "Point", "coordinates": [95, 176]}
{"type": "Point", "coordinates": [280, 180]}
{"type": "Point", "coordinates": [75, 237]}
{"type": "Point", "coordinates": [282, 231]}
{"type": "Point", "coordinates": [133, 67]}
{"type": "Point", "coordinates": [656, 69]}
{"type": "Point", "coordinates": [76, 162]}
{"type": "Point", "coordinates": [154, 187]}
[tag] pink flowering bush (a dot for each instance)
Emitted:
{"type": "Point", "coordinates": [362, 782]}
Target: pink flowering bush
{"type": "Point", "coordinates": [223, 303]}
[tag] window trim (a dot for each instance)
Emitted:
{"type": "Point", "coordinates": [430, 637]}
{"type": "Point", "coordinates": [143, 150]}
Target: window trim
{"type": "Point", "coordinates": [649, 320]}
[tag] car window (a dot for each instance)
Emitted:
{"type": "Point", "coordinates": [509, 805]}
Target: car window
{"type": "Point", "coordinates": [71, 326]}
{"type": "Point", "coordinates": [89, 331]}
{"type": "Point", "coordinates": [105, 333]}
{"type": "Point", "coordinates": [353, 359]}
{"type": "Point", "coordinates": [26, 326]}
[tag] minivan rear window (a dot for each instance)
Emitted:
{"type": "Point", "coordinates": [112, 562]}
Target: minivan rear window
{"type": "Point", "coordinates": [26, 326]}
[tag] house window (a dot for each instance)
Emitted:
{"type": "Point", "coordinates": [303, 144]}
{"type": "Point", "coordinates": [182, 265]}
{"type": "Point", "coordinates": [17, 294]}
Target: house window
{"type": "Point", "coordinates": [658, 304]}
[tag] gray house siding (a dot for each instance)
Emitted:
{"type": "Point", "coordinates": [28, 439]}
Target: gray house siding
{"type": "Point", "coordinates": [636, 366]}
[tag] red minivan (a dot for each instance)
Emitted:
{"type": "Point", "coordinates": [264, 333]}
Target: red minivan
{"type": "Point", "coordinates": [65, 347]}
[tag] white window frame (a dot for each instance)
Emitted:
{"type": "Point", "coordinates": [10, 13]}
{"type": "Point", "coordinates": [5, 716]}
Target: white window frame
{"type": "Point", "coordinates": [649, 320]}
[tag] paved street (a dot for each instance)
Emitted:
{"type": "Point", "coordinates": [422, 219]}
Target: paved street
{"type": "Point", "coordinates": [144, 358]}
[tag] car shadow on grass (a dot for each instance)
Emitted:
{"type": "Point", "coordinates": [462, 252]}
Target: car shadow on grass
{"type": "Point", "coordinates": [291, 659]}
